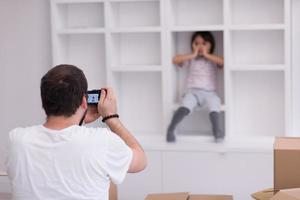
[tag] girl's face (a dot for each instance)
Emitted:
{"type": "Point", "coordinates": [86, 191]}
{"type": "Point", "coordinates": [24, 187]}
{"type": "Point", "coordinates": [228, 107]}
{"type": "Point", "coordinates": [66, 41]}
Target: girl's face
{"type": "Point", "coordinates": [202, 45]}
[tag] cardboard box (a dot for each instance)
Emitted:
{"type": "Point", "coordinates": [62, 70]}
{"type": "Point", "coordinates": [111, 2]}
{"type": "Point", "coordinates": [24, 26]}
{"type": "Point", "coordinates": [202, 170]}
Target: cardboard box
{"type": "Point", "coordinates": [210, 197]}
{"type": "Point", "coordinates": [186, 196]}
{"type": "Point", "coordinates": [286, 163]}
{"type": "Point", "coordinates": [266, 194]}
{"type": "Point", "coordinates": [169, 196]}
{"type": "Point", "coordinates": [270, 194]}
{"type": "Point", "coordinates": [290, 194]}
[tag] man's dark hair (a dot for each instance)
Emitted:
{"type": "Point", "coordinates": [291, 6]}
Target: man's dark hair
{"type": "Point", "coordinates": [62, 90]}
{"type": "Point", "coordinates": [207, 36]}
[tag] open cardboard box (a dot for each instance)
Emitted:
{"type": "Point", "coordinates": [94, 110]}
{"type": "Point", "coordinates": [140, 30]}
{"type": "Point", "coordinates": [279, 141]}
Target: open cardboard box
{"type": "Point", "coordinates": [270, 194]}
{"type": "Point", "coordinates": [286, 171]}
{"type": "Point", "coordinates": [286, 163]}
{"type": "Point", "coordinates": [186, 196]}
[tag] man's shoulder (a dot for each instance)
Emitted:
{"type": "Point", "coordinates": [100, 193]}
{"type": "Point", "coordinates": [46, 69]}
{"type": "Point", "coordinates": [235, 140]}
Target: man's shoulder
{"type": "Point", "coordinates": [21, 132]}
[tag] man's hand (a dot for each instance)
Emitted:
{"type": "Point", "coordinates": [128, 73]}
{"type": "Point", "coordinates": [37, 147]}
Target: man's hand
{"type": "Point", "coordinates": [92, 114]}
{"type": "Point", "coordinates": [107, 104]}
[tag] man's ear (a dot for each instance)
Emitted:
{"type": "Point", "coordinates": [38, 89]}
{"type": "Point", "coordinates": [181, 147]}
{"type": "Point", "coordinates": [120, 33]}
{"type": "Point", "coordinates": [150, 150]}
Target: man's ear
{"type": "Point", "coordinates": [84, 104]}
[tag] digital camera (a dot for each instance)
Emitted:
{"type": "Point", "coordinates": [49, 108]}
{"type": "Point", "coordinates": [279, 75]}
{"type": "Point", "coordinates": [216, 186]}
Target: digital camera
{"type": "Point", "coordinates": [93, 97]}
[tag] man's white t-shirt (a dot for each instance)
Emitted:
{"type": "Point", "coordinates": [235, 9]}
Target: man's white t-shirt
{"type": "Point", "coordinates": [73, 163]}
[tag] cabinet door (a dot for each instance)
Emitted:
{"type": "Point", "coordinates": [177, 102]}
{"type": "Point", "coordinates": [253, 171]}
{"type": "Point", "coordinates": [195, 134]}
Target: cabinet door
{"type": "Point", "coordinates": [239, 174]}
{"type": "Point", "coordinates": [137, 186]}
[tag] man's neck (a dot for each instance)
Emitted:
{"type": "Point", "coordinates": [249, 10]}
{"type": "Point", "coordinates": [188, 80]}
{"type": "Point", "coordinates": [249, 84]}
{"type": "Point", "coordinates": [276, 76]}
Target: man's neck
{"type": "Point", "coordinates": [61, 122]}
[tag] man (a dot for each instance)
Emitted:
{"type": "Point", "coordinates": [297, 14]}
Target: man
{"type": "Point", "coordinates": [62, 160]}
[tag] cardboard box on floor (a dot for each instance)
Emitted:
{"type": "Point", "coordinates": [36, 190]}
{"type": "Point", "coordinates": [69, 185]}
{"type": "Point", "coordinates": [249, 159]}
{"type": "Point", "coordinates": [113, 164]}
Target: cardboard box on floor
{"type": "Point", "coordinates": [186, 196]}
{"type": "Point", "coordinates": [210, 197]}
{"type": "Point", "coordinates": [286, 163]}
{"type": "Point", "coordinates": [270, 194]}
{"type": "Point", "coordinates": [289, 194]}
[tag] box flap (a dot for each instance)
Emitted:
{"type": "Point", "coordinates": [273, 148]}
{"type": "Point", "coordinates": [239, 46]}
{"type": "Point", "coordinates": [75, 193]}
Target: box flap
{"type": "Point", "coordinates": [210, 197]}
{"type": "Point", "coordinates": [266, 194]}
{"type": "Point", "coordinates": [169, 196]}
{"type": "Point", "coordinates": [290, 194]}
{"type": "Point", "coordinates": [287, 143]}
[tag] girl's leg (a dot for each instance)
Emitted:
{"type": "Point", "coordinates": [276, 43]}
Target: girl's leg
{"type": "Point", "coordinates": [188, 103]}
{"type": "Point", "coordinates": [216, 126]}
{"type": "Point", "coordinates": [214, 104]}
{"type": "Point", "coordinates": [180, 113]}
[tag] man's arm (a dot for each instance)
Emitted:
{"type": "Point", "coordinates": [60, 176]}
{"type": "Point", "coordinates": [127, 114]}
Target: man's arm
{"type": "Point", "coordinates": [106, 107]}
{"type": "Point", "coordinates": [139, 161]}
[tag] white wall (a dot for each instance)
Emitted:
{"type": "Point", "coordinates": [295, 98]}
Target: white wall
{"type": "Point", "coordinates": [25, 55]}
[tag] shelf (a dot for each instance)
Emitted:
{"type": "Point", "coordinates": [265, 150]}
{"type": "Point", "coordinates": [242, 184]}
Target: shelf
{"type": "Point", "coordinates": [79, 15]}
{"type": "Point", "coordinates": [176, 106]}
{"type": "Point", "coordinates": [257, 47]}
{"type": "Point", "coordinates": [133, 0]}
{"type": "Point", "coordinates": [77, 1]}
{"type": "Point", "coordinates": [197, 28]}
{"type": "Point", "coordinates": [257, 103]}
{"type": "Point", "coordinates": [136, 30]}
{"type": "Point", "coordinates": [258, 27]}
{"type": "Point", "coordinates": [257, 68]}
{"type": "Point", "coordinates": [139, 68]}
{"type": "Point", "coordinates": [206, 144]}
{"type": "Point", "coordinates": [3, 173]}
{"type": "Point", "coordinates": [257, 11]}
{"type": "Point", "coordinates": [136, 49]}
{"type": "Point", "coordinates": [192, 12]}
{"type": "Point", "coordinates": [86, 52]}
{"type": "Point", "coordinates": [80, 31]}
{"type": "Point", "coordinates": [139, 97]}
{"type": "Point", "coordinates": [135, 13]}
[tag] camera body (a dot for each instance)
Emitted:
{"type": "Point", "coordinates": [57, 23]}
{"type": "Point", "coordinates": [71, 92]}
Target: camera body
{"type": "Point", "coordinates": [93, 97]}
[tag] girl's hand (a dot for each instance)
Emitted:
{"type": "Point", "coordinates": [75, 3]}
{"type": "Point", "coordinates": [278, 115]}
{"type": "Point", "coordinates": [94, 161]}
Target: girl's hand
{"type": "Point", "coordinates": [196, 49]}
{"type": "Point", "coordinates": [206, 49]}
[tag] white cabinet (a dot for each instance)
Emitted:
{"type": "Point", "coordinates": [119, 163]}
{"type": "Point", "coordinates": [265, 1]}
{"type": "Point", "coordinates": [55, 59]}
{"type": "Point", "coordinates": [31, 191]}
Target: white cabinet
{"type": "Point", "coordinates": [137, 186]}
{"type": "Point", "coordinates": [211, 173]}
{"type": "Point", "coordinates": [129, 45]}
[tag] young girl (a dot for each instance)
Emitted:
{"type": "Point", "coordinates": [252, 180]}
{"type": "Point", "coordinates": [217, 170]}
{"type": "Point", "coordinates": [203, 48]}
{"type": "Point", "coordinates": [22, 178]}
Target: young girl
{"type": "Point", "coordinates": [201, 83]}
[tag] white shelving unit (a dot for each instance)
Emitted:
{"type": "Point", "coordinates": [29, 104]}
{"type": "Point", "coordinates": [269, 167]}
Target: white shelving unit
{"type": "Point", "coordinates": [129, 44]}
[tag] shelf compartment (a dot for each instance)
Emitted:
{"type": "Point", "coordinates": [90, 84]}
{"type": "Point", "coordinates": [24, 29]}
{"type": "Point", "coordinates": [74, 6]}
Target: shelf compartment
{"type": "Point", "coordinates": [198, 124]}
{"type": "Point", "coordinates": [180, 44]}
{"type": "Point", "coordinates": [257, 105]}
{"type": "Point", "coordinates": [196, 12]}
{"type": "Point", "coordinates": [139, 96]}
{"type": "Point", "coordinates": [79, 15]}
{"type": "Point", "coordinates": [86, 52]}
{"type": "Point", "coordinates": [135, 14]}
{"type": "Point", "coordinates": [257, 47]}
{"type": "Point", "coordinates": [136, 49]}
{"type": "Point", "coordinates": [257, 11]}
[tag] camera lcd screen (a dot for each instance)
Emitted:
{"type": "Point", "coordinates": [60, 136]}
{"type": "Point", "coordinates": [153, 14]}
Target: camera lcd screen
{"type": "Point", "coordinates": [93, 97]}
